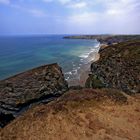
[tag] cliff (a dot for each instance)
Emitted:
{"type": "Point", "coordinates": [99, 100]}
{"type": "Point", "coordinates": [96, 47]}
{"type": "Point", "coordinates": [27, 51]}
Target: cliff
{"type": "Point", "coordinates": [118, 67]}
{"type": "Point", "coordinates": [19, 92]}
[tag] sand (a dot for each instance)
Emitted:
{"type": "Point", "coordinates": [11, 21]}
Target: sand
{"type": "Point", "coordinates": [84, 71]}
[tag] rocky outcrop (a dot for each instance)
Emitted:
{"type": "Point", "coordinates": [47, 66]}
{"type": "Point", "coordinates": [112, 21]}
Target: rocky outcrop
{"type": "Point", "coordinates": [19, 92]}
{"type": "Point", "coordinates": [118, 67]}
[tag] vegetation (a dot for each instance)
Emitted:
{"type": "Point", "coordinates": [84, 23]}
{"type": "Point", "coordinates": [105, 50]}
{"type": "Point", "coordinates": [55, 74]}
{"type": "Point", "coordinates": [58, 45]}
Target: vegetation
{"type": "Point", "coordinates": [118, 67]}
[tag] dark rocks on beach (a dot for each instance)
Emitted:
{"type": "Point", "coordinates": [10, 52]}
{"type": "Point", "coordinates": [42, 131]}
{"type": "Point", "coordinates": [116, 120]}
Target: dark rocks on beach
{"type": "Point", "coordinates": [38, 85]}
{"type": "Point", "coordinates": [118, 67]}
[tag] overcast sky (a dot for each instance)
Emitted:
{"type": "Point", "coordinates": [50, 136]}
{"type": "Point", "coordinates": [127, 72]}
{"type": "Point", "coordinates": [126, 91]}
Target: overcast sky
{"type": "Point", "coordinates": [69, 17]}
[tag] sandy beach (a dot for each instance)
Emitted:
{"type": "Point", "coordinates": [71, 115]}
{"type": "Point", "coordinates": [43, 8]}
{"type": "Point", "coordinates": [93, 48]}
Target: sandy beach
{"type": "Point", "coordinates": [84, 70]}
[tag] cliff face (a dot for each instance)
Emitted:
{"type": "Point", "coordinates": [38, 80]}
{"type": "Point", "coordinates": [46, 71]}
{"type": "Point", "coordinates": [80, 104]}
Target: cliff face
{"type": "Point", "coordinates": [41, 84]}
{"type": "Point", "coordinates": [118, 67]}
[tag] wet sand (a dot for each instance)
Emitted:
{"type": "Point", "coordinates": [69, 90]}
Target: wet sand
{"type": "Point", "coordinates": [84, 71]}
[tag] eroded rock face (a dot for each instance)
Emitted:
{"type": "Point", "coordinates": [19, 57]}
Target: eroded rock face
{"type": "Point", "coordinates": [41, 84]}
{"type": "Point", "coordinates": [118, 67]}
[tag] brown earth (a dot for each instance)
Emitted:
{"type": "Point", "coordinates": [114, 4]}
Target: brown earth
{"type": "Point", "coordinates": [86, 114]}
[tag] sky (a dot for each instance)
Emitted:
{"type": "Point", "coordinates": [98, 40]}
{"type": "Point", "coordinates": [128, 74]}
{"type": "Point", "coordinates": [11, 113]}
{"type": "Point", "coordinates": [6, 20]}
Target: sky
{"type": "Point", "coordinates": [21, 17]}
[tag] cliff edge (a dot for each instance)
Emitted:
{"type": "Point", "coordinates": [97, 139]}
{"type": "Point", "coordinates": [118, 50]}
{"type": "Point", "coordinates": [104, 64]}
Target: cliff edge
{"type": "Point", "coordinates": [19, 92]}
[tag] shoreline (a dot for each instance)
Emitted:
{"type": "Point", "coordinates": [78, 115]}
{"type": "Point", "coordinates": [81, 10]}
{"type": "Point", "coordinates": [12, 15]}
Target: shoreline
{"type": "Point", "coordinates": [84, 71]}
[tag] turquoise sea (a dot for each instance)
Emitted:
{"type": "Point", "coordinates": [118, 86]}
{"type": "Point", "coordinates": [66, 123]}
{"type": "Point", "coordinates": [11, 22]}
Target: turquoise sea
{"type": "Point", "coordinates": [21, 53]}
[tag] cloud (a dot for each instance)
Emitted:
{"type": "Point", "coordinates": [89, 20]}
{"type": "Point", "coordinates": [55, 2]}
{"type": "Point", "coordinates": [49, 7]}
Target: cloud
{"type": "Point", "coordinates": [122, 7]}
{"type": "Point", "coordinates": [5, 2]}
{"type": "Point", "coordinates": [48, 0]}
{"type": "Point", "coordinates": [33, 12]}
{"type": "Point", "coordinates": [63, 2]}
{"type": "Point", "coordinates": [78, 5]}
{"type": "Point", "coordinates": [70, 3]}
{"type": "Point", "coordinates": [120, 16]}
{"type": "Point", "coordinates": [84, 18]}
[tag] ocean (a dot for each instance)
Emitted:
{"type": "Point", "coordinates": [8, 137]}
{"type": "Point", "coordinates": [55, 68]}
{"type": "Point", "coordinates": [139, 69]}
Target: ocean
{"type": "Point", "coordinates": [21, 53]}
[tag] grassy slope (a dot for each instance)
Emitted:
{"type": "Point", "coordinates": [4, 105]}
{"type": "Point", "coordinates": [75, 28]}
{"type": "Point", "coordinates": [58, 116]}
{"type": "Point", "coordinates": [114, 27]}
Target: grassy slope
{"type": "Point", "coordinates": [80, 115]}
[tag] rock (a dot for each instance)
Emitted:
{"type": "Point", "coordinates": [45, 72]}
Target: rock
{"type": "Point", "coordinates": [94, 82]}
{"type": "Point", "coordinates": [34, 86]}
{"type": "Point", "coordinates": [5, 118]}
